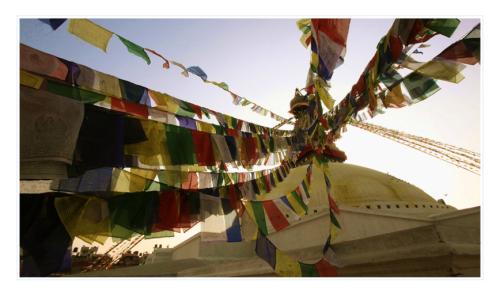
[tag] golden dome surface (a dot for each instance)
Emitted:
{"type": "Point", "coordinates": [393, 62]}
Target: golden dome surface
{"type": "Point", "coordinates": [355, 185]}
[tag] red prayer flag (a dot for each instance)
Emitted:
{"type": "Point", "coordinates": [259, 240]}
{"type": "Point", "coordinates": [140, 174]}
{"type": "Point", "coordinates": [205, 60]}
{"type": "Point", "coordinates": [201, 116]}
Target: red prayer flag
{"type": "Point", "coordinates": [196, 109]}
{"type": "Point", "coordinates": [129, 107]}
{"type": "Point", "coordinates": [168, 211]}
{"type": "Point", "coordinates": [203, 148]}
{"type": "Point", "coordinates": [325, 269]}
{"type": "Point", "coordinates": [396, 47]}
{"type": "Point", "coordinates": [234, 200]}
{"type": "Point", "coordinates": [278, 221]}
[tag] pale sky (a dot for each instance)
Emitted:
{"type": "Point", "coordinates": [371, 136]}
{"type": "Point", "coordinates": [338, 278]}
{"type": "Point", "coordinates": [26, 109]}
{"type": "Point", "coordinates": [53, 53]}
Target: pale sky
{"type": "Point", "coordinates": [263, 60]}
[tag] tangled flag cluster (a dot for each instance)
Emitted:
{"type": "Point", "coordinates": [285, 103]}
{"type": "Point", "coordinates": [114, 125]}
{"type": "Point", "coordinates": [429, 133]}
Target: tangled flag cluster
{"type": "Point", "coordinates": [126, 160]}
{"type": "Point", "coordinates": [99, 37]}
{"type": "Point", "coordinates": [327, 38]}
{"type": "Point", "coordinates": [381, 86]}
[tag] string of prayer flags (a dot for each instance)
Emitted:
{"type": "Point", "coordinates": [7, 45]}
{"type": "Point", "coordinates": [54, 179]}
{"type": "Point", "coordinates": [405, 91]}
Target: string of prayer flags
{"type": "Point", "coordinates": [135, 49]}
{"type": "Point", "coordinates": [284, 265]}
{"type": "Point", "coordinates": [53, 23]}
{"type": "Point", "coordinates": [116, 180]}
{"type": "Point", "coordinates": [333, 208]}
{"type": "Point", "coordinates": [99, 37]}
{"type": "Point", "coordinates": [80, 80]}
{"type": "Point", "coordinates": [391, 53]}
{"type": "Point", "coordinates": [90, 32]}
{"type": "Point", "coordinates": [277, 214]}
{"type": "Point", "coordinates": [76, 93]}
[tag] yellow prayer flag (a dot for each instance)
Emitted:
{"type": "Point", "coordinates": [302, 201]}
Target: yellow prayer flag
{"type": "Point", "coordinates": [334, 231]}
{"type": "Point", "coordinates": [304, 38]}
{"type": "Point", "coordinates": [98, 81]}
{"type": "Point", "coordinates": [295, 205]}
{"type": "Point", "coordinates": [164, 102]}
{"type": "Point", "coordinates": [314, 59]}
{"type": "Point", "coordinates": [90, 32]}
{"type": "Point", "coordinates": [84, 217]}
{"type": "Point", "coordinates": [31, 80]}
{"type": "Point", "coordinates": [249, 209]}
{"type": "Point", "coordinates": [286, 266]}
{"type": "Point", "coordinates": [324, 95]}
{"type": "Point", "coordinates": [205, 127]}
{"type": "Point", "coordinates": [443, 70]}
{"type": "Point", "coordinates": [395, 98]}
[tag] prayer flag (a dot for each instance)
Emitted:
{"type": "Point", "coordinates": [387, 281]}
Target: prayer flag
{"type": "Point", "coordinates": [286, 266]}
{"type": "Point", "coordinates": [53, 23]}
{"type": "Point", "coordinates": [135, 49]}
{"type": "Point", "coordinates": [308, 270]}
{"type": "Point", "coordinates": [30, 80]}
{"type": "Point", "coordinates": [265, 250]}
{"type": "Point", "coordinates": [325, 269]}
{"type": "Point", "coordinates": [196, 70]}
{"type": "Point", "coordinates": [41, 63]}
{"type": "Point", "coordinates": [445, 27]}
{"type": "Point", "coordinates": [420, 86]}
{"type": "Point", "coordinates": [90, 32]}
{"type": "Point", "coordinates": [277, 219]}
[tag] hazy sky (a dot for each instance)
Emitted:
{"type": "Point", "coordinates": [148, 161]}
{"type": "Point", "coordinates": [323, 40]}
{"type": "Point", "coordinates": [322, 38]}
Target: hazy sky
{"type": "Point", "coordinates": [263, 60]}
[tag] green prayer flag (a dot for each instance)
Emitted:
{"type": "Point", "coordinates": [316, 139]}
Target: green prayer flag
{"type": "Point", "coordinates": [445, 27]}
{"type": "Point", "coordinates": [334, 220]}
{"type": "Point", "coordinates": [82, 95]}
{"type": "Point", "coordinates": [390, 78]}
{"type": "Point", "coordinates": [161, 234]}
{"type": "Point", "coordinates": [135, 49]}
{"type": "Point", "coordinates": [260, 218]}
{"type": "Point", "coordinates": [222, 85]}
{"type": "Point", "coordinates": [297, 198]}
{"type": "Point", "coordinates": [180, 145]}
{"type": "Point", "coordinates": [132, 213]}
{"type": "Point", "coordinates": [308, 270]}
{"type": "Point", "coordinates": [420, 86]}
{"type": "Point", "coordinates": [185, 109]}
{"type": "Point", "coordinates": [218, 129]}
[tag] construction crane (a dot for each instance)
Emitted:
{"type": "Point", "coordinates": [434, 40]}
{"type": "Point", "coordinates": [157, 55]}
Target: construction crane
{"type": "Point", "coordinates": [114, 254]}
{"type": "Point", "coordinates": [460, 157]}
